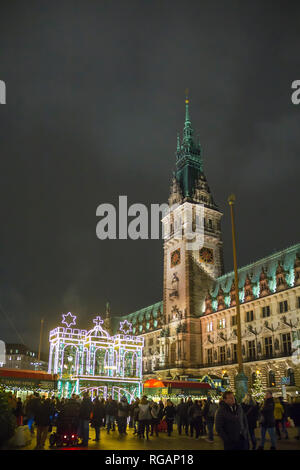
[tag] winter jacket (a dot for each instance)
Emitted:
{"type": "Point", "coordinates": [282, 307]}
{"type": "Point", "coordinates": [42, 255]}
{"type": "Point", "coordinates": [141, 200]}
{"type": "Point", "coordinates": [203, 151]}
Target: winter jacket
{"type": "Point", "coordinates": [43, 413]}
{"type": "Point", "coordinates": [110, 408]}
{"type": "Point", "coordinates": [123, 409]}
{"type": "Point", "coordinates": [32, 406]}
{"type": "Point", "coordinates": [278, 411]}
{"type": "Point", "coordinates": [295, 413]}
{"type": "Point", "coordinates": [209, 411]}
{"type": "Point", "coordinates": [155, 413]}
{"type": "Point", "coordinates": [70, 409]}
{"type": "Point", "coordinates": [98, 413]}
{"type": "Point", "coordinates": [181, 410]}
{"type": "Point", "coordinates": [267, 419]}
{"type": "Point", "coordinates": [19, 409]}
{"type": "Point", "coordinates": [144, 412]}
{"type": "Point", "coordinates": [251, 413]}
{"type": "Point", "coordinates": [196, 411]}
{"type": "Point", "coordinates": [85, 409]}
{"type": "Point", "coordinates": [231, 424]}
{"type": "Point", "coordinates": [170, 412]}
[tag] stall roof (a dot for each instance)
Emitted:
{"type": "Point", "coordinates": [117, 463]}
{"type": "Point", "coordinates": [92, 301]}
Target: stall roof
{"type": "Point", "coordinates": [27, 374]}
{"type": "Point", "coordinates": [154, 383]}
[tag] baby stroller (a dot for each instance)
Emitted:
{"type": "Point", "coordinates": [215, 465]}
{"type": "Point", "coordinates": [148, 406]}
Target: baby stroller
{"type": "Point", "coordinates": [66, 431]}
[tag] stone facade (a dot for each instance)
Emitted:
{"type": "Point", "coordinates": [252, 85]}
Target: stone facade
{"type": "Point", "coordinates": [192, 332]}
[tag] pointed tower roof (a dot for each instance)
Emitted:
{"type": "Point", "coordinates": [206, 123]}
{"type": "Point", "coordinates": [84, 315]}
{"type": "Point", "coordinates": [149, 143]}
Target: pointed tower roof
{"type": "Point", "coordinates": [187, 130]}
{"type": "Point", "coordinates": [188, 157]}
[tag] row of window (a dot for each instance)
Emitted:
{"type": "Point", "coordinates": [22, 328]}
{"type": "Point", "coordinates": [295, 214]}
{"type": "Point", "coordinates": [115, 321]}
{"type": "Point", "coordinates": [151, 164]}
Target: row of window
{"type": "Point", "coordinates": [16, 351]}
{"type": "Point", "coordinates": [253, 348]}
{"type": "Point", "coordinates": [249, 315]}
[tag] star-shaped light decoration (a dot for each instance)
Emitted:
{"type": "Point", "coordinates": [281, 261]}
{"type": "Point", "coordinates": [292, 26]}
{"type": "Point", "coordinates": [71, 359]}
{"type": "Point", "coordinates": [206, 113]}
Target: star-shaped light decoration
{"type": "Point", "coordinates": [125, 327]}
{"type": "Point", "coordinates": [68, 319]}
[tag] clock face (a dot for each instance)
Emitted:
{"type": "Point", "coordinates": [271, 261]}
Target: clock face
{"type": "Point", "coordinates": [175, 258]}
{"type": "Point", "coordinates": [206, 255]}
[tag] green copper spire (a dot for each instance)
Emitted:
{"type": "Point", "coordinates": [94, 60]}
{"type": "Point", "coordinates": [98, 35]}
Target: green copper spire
{"type": "Point", "coordinates": [188, 156]}
{"type": "Point", "coordinates": [178, 142]}
{"type": "Point", "coordinates": [187, 141]}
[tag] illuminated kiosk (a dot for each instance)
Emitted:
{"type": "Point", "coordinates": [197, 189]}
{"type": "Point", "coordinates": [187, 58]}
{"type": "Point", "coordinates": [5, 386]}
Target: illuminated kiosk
{"type": "Point", "coordinates": [96, 362]}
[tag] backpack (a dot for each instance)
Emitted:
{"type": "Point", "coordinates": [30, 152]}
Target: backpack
{"type": "Point", "coordinates": [212, 410]}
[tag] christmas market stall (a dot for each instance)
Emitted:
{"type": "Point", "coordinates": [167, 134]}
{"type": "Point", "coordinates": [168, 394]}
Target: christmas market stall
{"type": "Point", "coordinates": [24, 382]}
{"type": "Point", "coordinates": [175, 389]}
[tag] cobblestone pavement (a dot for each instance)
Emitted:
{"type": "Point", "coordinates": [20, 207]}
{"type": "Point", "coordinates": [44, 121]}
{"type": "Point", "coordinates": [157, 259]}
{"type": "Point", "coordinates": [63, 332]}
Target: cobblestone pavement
{"type": "Point", "coordinates": [130, 442]}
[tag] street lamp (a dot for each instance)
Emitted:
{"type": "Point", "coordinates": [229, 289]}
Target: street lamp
{"type": "Point", "coordinates": [241, 380]}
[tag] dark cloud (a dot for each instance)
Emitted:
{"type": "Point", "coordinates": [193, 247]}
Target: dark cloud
{"type": "Point", "coordinates": [95, 96]}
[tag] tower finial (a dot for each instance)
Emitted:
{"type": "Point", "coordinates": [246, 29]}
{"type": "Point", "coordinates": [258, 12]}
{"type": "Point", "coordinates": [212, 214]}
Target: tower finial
{"type": "Point", "coordinates": [187, 117]}
{"type": "Point", "coordinates": [107, 310]}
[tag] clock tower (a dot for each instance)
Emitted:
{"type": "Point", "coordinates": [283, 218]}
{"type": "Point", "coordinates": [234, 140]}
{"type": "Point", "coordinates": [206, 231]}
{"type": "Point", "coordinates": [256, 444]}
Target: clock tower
{"type": "Point", "coordinates": [189, 268]}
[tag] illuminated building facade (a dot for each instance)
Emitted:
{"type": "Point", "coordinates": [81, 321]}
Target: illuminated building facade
{"type": "Point", "coordinates": [192, 331]}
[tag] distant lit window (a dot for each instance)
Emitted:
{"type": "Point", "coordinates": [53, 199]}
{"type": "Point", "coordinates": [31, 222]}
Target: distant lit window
{"type": "Point", "coordinates": [222, 323]}
{"type": "Point", "coordinates": [210, 326]}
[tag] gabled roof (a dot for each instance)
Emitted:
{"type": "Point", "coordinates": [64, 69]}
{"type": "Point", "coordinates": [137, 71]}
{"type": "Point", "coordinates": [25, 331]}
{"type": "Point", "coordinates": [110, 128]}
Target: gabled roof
{"type": "Point", "coordinates": [286, 258]}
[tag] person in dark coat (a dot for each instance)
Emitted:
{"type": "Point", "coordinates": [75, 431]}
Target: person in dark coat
{"type": "Point", "coordinates": [267, 421]}
{"type": "Point", "coordinates": [196, 418]}
{"type": "Point", "coordinates": [169, 414]}
{"type": "Point", "coordinates": [98, 416]}
{"type": "Point", "coordinates": [31, 409]}
{"type": "Point", "coordinates": [135, 415]}
{"type": "Point", "coordinates": [182, 417]}
{"type": "Point", "coordinates": [209, 413]}
{"type": "Point", "coordinates": [286, 412]}
{"type": "Point", "coordinates": [295, 415]}
{"type": "Point", "coordinates": [189, 419]}
{"type": "Point", "coordinates": [251, 410]}
{"type": "Point", "coordinates": [123, 413]}
{"type": "Point", "coordinates": [42, 420]}
{"type": "Point", "coordinates": [110, 413]}
{"type": "Point", "coordinates": [19, 412]}
{"type": "Point", "coordinates": [231, 423]}
{"type": "Point", "coordinates": [85, 410]}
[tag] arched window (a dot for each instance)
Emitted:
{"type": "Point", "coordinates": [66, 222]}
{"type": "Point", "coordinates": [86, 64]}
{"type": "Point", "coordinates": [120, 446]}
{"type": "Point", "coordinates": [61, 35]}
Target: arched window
{"type": "Point", "coordinates": [291, 375]}
{"type": "Point", "coordinates": [100, 362]}
{"type": "Point", "coordinates": [272, 380]}
{"type": "Point", "coordinates": [70, 360]}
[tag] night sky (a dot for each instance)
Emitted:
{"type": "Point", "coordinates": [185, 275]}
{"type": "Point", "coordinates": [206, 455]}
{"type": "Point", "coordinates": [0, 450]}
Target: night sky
{"type": "Point", "coordinates": [95, 97]}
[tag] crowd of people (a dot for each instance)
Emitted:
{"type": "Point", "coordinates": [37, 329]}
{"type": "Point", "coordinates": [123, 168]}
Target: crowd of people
{"type": "Point", "coordinates": [234, 423]}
